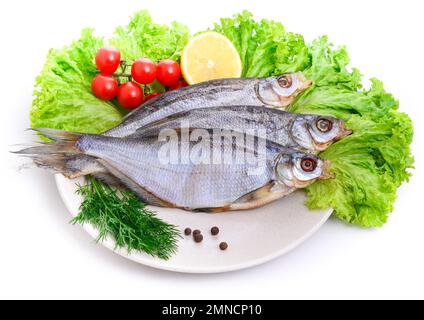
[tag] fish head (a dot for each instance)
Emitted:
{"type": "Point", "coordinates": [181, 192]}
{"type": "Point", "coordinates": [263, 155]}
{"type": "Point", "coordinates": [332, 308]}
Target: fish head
{"type": "Point", "coordinates": [300, 169]}
{"type": "Point", "coordinates": [280, 91]}
{"type": "Point", "coordinates": [317, 133]}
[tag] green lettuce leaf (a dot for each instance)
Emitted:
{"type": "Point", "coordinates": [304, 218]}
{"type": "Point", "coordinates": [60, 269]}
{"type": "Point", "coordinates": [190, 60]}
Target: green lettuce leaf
{"type": "Point", "coordinates": [262, 44]}
{"type": "Point", "coordinates": [143, 38]}
{"type": "Point", "coordinates": [371, 163]}
{"type": "Point", "coordinates": [63, 97]}
{"type": "Point", "coordinates": [239, 31]}
{"type": "Point", "coordinates": [328, 66]}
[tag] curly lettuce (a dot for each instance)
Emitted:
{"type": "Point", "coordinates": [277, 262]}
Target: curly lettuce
{"type": "Point", "coordinates": [143, 38]}
{"type": "Point", "coordinates": [371, 163]}
{"type": "Point", "coordinates": [63, 97]}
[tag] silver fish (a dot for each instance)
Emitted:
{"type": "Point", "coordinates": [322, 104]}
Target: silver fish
{"type": "Point", "coordinates": [308, 133]}
{"type": "Point", "coordinates": [275, 91]}
{"type": "Point", "coordinates": [206, 184]}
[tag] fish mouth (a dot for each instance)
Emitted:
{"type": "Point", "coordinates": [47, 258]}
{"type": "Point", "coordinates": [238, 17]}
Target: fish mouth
{"type": "Point", "coordinates": [306, 84]}
{"type": "Point", "coordinates": [326, 174]}
{"type": "Point", "coordinates": [344, 131]}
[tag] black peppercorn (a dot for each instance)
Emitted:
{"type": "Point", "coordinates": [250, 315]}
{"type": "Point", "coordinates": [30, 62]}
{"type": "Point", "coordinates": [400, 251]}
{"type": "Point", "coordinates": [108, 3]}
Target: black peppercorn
{"type": "Point", "coordinates": [223, 246]}
{"type": "Point", "coordinates": [214, 231]}
{"type": "Point", "coordinates": [197, 237]}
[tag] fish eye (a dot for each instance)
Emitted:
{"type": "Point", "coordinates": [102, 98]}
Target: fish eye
{"type": "Point", "coordinates": [324, 125]}
{"type": "Point", "coordinates": [285, 82]}
{"type": "Point", "coordinates": [308, 164]}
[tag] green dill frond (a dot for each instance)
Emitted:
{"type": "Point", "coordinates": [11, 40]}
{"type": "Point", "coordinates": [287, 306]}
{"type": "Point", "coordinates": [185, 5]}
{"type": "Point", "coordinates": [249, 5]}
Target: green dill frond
{"type": "Point", "coordinates": [121, 215]}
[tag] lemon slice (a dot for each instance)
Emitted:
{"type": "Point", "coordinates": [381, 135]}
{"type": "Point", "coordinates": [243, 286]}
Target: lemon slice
{"type": "Point", "coordinates": [209, 56]}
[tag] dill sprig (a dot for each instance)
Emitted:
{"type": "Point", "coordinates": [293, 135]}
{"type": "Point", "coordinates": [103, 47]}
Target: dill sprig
{"type": "Point", "coordinates": [121, 214]}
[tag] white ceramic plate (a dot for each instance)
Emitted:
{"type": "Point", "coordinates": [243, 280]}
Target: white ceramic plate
{"type": "Point", "coordinates": [254, 236]}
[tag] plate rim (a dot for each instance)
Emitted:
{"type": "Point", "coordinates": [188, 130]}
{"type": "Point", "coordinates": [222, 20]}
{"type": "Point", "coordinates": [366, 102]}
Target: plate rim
{"type": "Point", "coordinates": [156, 263]}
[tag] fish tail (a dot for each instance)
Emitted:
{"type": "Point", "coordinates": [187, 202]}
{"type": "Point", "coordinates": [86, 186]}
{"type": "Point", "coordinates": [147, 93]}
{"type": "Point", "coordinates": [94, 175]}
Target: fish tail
{"type": "Point", "coordinates": [60, 155]}
{"type": "Point", "coordinates": [63, 143]}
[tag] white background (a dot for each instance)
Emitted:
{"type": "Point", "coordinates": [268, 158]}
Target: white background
{"type": "Point", "coordinates": [42, 256]}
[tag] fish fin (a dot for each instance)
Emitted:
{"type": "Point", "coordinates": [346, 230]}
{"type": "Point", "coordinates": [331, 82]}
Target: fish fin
{"type": "Point", "coordinates": [171, 117]}
{"type": "Point", "coordinates": [145, 195]}
{"type": "Point", "coordinates": [210, 210]}
{"type": "Point", "coordinates": [108, 178]}
{"type": "Point", "coordinates": [270, 192]}
{"type": "Point", "coordinates": [151, 129]}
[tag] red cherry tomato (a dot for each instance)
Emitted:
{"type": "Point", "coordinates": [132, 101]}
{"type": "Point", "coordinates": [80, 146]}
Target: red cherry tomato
{"type": "Point", "coordinates": [108, 60]}
{"type": "Point", "coordinates": [104, 87]}
{"type": "Point", "coordinates": [168, 72]}
{"type": "Point", "coordinates": [143, 71]}
{"type": "Point", "coordinates": [130, 95]}
{"type": "Point", "coordinates": [152, 95]}
{"type": "Point", "coordinates": [179, 84]}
